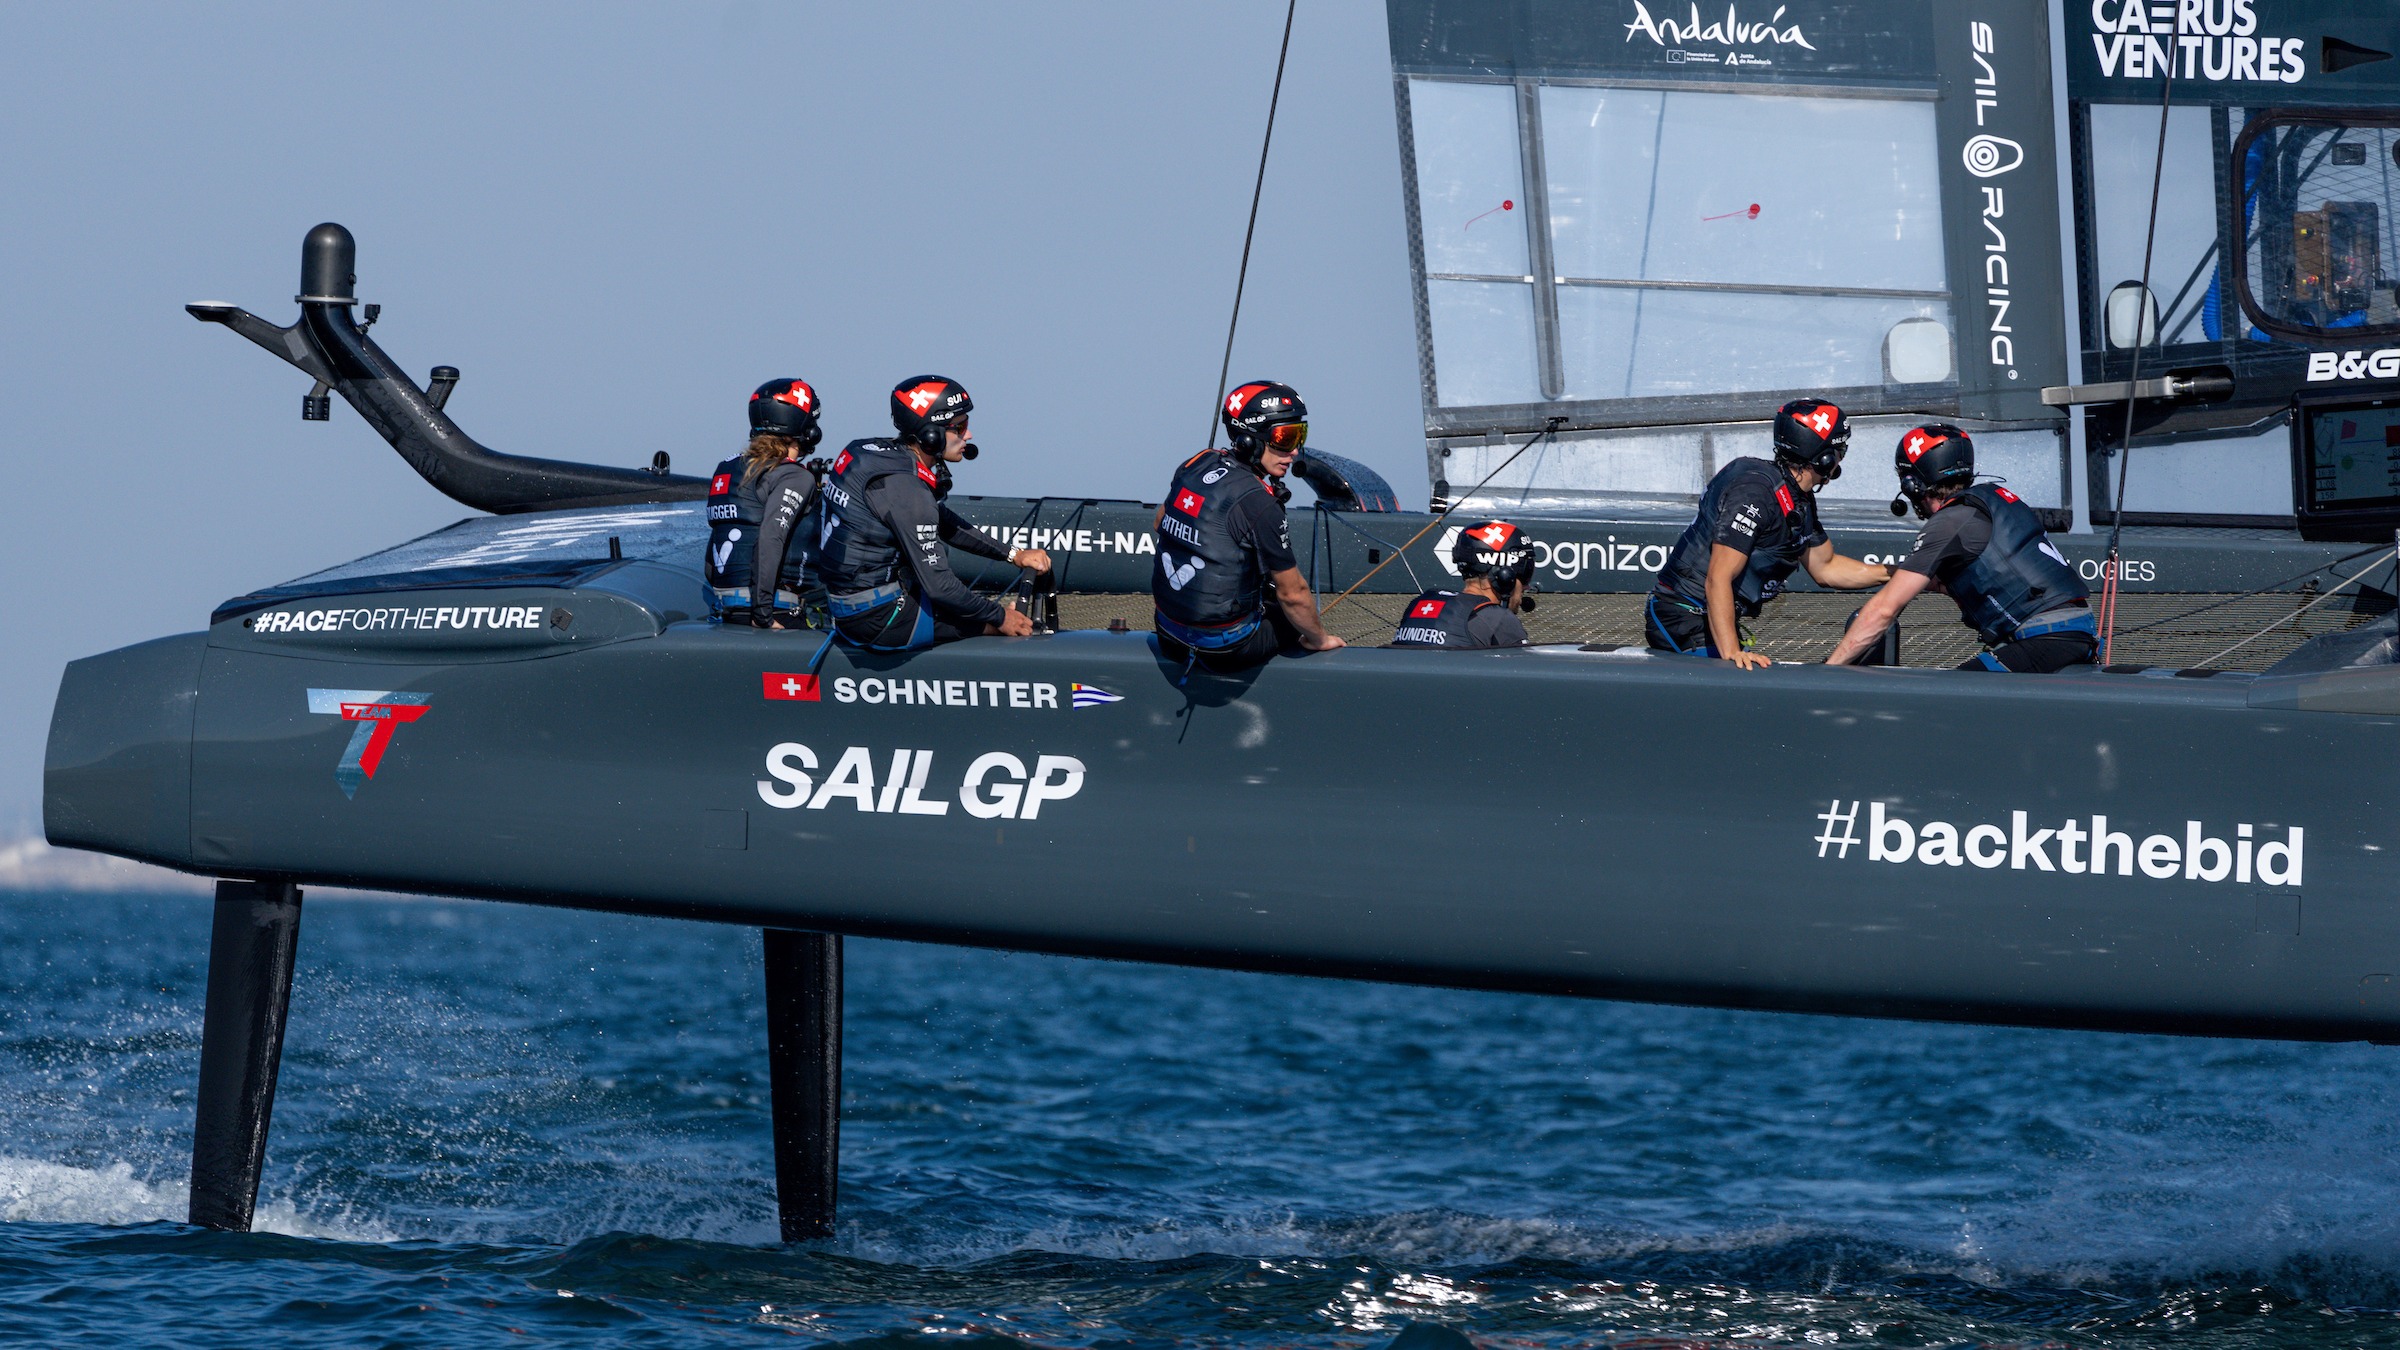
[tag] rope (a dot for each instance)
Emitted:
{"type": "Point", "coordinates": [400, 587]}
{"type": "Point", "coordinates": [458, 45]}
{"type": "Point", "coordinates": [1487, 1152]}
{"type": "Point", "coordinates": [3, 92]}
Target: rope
{"type": "Point", "coordinates": [1342, 518]}
{"type": "Point", "coordinates": [2262, 590]}
{"type": "Point", "coordinates": [2116, 523]}
{"type": "Point", "coordinates": [2379, 561]}
{"type": "Point", "coordinates": [1548, 431]}
{"type": "Point", "coordinates": [1256, 190]}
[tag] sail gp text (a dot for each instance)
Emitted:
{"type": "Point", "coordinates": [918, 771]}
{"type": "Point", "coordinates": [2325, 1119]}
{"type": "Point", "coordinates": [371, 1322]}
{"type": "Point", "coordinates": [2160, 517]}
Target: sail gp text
{"type": "Point", "coordinates": [996, 786]}
{"type": "Point", "coordinates": [2072, 848]}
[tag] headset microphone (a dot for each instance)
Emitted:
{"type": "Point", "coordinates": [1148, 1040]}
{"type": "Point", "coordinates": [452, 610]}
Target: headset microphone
{"type": "Point", "coordinates": [1899, 506]}
{"type": "Point", "coordinates": [968, 451]}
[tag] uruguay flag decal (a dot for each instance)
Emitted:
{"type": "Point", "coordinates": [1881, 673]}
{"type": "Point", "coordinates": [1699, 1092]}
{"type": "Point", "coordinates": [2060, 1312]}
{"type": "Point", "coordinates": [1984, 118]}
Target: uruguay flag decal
{"type": "Point", "coordinates": [1092, 696]}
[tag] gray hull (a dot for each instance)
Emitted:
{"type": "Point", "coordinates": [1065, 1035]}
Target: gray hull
{"type": "Point", "coordinates": [1607, 824]}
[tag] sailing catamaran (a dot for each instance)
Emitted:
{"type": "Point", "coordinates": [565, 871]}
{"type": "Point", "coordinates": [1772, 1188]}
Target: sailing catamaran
{"type": "Point", "coordinates": [1623, 231]}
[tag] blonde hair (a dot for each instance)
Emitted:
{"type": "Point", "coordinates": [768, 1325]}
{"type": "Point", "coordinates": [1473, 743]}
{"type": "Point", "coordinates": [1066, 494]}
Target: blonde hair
{"type": "Point", "coordinates": [766, 450]}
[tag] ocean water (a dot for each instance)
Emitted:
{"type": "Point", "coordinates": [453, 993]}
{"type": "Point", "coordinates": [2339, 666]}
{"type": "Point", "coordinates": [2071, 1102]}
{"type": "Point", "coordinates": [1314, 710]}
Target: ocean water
{"type": "Point", "coordinates": [500, 1123]}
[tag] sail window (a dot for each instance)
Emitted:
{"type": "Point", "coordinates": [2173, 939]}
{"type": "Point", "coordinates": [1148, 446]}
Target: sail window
{"type": "Point", "coordinates": [2185, 301]}
{"type": "Point", "coordinates": [1723, 242]}
{"type": "Point", "coordinates": [1592, 243]}
{"type": "Point", "coordinates": [1472, 224]}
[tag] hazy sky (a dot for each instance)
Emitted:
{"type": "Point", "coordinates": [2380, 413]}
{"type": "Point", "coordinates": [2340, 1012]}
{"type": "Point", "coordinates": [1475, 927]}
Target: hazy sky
{"type": "Point", "coordinates": [617, 221]}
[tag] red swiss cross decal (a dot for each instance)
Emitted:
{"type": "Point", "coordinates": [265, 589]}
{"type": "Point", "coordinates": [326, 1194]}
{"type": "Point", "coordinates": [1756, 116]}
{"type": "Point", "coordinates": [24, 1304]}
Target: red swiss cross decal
{"type": "Point", "coordinates": [841, 462]}
{"type": "Point", "coordinates": [2005, 494]}
{"type": "Point", "coordinates": [720, 485]}
{"type": "Point", "coordinates": [1916, 443]}
{"type": "Point", "coordinates": [1427, 608]}
{"type": "Point", "coordinates": [797, 688]}
{"type": "Point", "coordinates": [1187, 502]}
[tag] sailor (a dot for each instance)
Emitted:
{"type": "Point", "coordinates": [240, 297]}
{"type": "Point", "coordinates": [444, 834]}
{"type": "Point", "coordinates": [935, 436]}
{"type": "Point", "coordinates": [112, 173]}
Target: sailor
{"type": "Point", "coordinates": [1495, 562]}
{"type": "Point", "coordinates": [881, 552]}
{"type": "Point", "coordinates": [755, 502]}
{"type": "Point", "coordinates": [1227, 585]}
{"type": "Point", "coordinates": [1757, 521]}
{"type": "Point", "coordinates": [1988, 550]}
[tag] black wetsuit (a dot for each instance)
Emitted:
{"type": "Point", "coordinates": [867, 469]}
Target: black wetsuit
{"type": "Point", "coordinates": [1754, 507]}
{"type": "Point", "coordinates": [887, 577]}
{"type": "Point", "coordinates": [1457, 620]}
{"type": "Point", "coordinates": [751, 518]}
{"type": "Point", "coordinates": [1989, 552]}
{"type": "Point", "coordinates": [1222, 536]}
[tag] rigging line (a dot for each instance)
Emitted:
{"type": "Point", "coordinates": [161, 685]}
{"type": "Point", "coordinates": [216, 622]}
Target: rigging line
{"type": "Point", "coordinates": [1372, 539]}
{"type": "Point", "coordinates": [2270, 587]}
{"type": "Point", "coordinates": [1549, 429]}
{"type": "Point", "coordinates": [2337, 590]}
{"type": "Point", "coordinates": [2143, 304]}
{"type": "Point", "coordinates": [1257, 189]}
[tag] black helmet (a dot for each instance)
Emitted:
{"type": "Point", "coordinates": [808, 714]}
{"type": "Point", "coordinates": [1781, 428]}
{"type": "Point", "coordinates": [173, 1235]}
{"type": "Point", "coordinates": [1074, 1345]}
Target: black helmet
{"type": "Point", "coordinates": [923, 406]}
{"type": "Point", "coordinates": [786, 408]}
{"type": "Point", "coordinates": [1936, 455]}
{"type": "Point", "coordinates": [1812, 434]}
{"type": "Point", "coordinates": [1256, 414]}
{"type": "Point", "coordinates": [1494, 549]}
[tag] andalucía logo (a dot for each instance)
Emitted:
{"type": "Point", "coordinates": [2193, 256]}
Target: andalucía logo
{"type": "Point", "coordinates": [2193, 854]}
{"type": "Point", "coordinates": [378, 713]}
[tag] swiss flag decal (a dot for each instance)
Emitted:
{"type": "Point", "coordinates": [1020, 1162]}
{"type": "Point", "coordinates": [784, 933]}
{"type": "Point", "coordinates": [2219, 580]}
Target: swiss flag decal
{"type": "Point", "coordinates": [842, 462]}
{"type": "Point", "coordinates": [795, 688]}
{"type": "Point", "coordinates": [1187, 502]}
{"type": "Point", "coordinates": [919, 398]}
{"type": "Point", "coordinates": [1783, 498]}
{"type": "Point", "coordinates": [1495, 535]}
{"type": "Point", "coordinates": [2005, 494]}
{"type": "Point", "coordinates": [1917, 443]}
{"type": "Point", "coordinates": [720, 485]}
{"type": "Point", "coordinates": [1428, 608]}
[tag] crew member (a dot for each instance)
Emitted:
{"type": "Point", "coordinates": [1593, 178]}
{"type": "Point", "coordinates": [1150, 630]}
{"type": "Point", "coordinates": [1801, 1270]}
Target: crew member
{"type": "Point", "coordinates": [1988, 550]}
{"type": "Point", "coordinates": [1757, 521]}
{"type": "Point", "coordinates": [755, 501]}
{"type": "Point", "coordinates": [1495, 562]}
{"type": "Point", "coordinates": [1228, 588]}
{"type": "Point", "coordinates": [881, 555]}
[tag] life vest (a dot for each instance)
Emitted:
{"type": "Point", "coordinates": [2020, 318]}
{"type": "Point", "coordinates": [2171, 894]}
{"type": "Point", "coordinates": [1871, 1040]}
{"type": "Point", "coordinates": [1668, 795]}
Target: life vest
{"type": "Point", "coordinates": [1439, 619]}
{"type": "Point", "coordinates": [1203, 577]}
{"type": "Point", "coordinates": [1774, 543]}
{"type": "Point", "coordinates": [856, 550]}
{"type": "Point", "coordinates": [2018, 575]}
{"type": "Point", "coordinates": [736, 507]}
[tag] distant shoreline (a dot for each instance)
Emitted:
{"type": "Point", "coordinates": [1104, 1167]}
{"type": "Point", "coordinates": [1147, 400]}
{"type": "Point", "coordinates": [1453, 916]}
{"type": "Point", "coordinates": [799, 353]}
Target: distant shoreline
{"type": "Point", "coordinates": [32, 865]}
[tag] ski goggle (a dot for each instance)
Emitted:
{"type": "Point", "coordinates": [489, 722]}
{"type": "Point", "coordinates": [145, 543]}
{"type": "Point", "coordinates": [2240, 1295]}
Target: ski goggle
{"type": "Point", "coordinates": [1287, 436]}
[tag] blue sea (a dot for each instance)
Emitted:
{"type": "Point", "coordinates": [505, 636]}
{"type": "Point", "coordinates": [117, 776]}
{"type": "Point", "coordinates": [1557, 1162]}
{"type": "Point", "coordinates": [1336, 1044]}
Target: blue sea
{"type": "Point", "coordinates": [499, 1124]}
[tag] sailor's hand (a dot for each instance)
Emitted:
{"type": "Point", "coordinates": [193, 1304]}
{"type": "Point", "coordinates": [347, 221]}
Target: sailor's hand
{"type": "Point", "coordinates": [762, 618]}
{"type": "Point", "coordinates": [1015, 624]}
{"type": "Point", "coordinates": [1324, 644]}
{"type": "Point", "coordinates": [1750, 660]}
{"type": "Point", "coordinates": [1032, 559]}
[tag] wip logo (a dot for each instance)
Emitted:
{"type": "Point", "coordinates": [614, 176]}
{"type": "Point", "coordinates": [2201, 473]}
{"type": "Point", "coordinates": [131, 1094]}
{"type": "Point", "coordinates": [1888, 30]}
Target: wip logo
{"type": "Point", "coordinates": [378, 713]}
